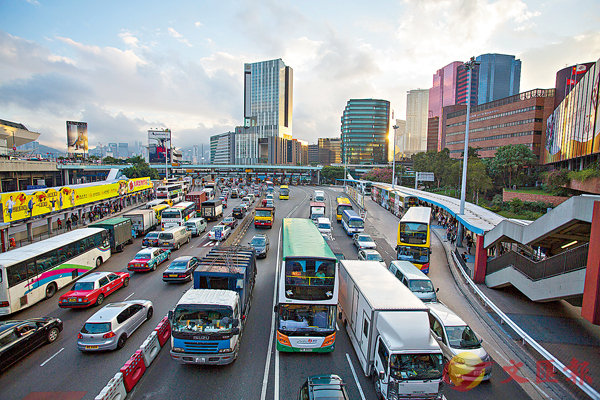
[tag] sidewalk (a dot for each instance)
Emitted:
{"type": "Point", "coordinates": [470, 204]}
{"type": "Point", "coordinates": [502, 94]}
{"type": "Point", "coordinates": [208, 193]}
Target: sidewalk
{"type": "Point", "coordinates": [557, 326]}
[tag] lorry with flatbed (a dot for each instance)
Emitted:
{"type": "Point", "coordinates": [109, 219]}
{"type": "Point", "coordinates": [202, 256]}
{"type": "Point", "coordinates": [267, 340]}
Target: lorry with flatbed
{"type": "Point", "coordinates": [264, 217]}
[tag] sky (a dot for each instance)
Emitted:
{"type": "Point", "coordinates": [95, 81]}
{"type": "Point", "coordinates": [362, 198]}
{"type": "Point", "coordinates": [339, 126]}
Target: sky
{"type": "Point", "coordinates": [128, 66]}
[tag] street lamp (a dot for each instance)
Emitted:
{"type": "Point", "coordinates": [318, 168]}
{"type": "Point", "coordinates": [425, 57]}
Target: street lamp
{"type": "Point", "coordinates": [469, 66]}
{"type": "Point", "coordinates": [394, 159]}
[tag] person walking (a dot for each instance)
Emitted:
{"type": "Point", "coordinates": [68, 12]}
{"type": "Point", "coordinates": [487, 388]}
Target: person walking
{"type": "Point", "coordinates": [59, 224]}
{"type": "Point", "coordinates": [68, 223]}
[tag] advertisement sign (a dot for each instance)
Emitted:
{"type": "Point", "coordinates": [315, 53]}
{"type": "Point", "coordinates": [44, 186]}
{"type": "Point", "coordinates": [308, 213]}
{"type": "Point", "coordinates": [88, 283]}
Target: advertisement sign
{"type": "Point", "coordinates": [77, 137]}
{"type": "Point", "coordinates": [159, 135]}
{"type": "Point", "coordinates": [18, 205]}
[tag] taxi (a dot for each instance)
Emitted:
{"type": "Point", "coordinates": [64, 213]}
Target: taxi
{"type": "Point", "coordinates": [148, 259]}
{"type": "Point", "coordinates": [93, 289]}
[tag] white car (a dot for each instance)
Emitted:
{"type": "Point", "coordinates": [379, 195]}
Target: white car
{"type": "Point", "coordinates": [371, 255]}
{"type": "Point", "coordinates": [324, 226]}
{"type": "Point", "coordinates": [219, 232]}
{"type": "Point", "coordinates": [363, 241]}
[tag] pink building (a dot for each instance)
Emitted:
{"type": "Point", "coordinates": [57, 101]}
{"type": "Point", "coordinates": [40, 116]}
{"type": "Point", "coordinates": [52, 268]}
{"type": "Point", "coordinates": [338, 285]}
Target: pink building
{"type": "Point", "coordinates": [442, 94]}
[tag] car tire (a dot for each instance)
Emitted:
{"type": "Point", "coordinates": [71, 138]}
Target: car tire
{"type": "Point", "coordinates": [125, 282]}
{"type": "Point", "coordinates": [121, 341]}
{"type": "Point", "coordinates": [153, 267]}
{"type": "Point", "coordinates": [51, 290]}
{"type": "Point", "coordinates": [52, 335]}
{"type": "Point", "coordinates": [178, 246]}
{"type": "Point", "coordinates": [98, 262]}
{"type": "Point", "coordinates": [100, 299]}
{"type": "Point", "coordinates": [150, 313]}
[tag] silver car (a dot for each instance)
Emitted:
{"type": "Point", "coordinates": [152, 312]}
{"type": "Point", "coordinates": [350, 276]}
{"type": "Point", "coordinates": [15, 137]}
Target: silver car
{"type": "Point", "coordinates": [363, 241]}
{"type": "Point", "coordinates": [110, 327]}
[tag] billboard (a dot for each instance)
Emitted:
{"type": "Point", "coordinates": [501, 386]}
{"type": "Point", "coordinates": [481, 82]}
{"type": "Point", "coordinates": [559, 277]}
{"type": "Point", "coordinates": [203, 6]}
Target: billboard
{"type": "Point", "coordinates": [573, 129]}
{"type": "Point", "coordinates": [77, 137]}
{"type": "Point", "coordinates": [22, 205]}
{"type": "Point", "coordinates": [159, 146]}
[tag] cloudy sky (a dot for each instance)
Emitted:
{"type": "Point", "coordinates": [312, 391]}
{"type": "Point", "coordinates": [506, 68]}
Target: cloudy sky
{"type": "Point", "coordinates": [127, 66]}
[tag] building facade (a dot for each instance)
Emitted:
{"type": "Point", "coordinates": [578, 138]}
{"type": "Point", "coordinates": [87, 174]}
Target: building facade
{"type": "Point", "coordinates": [417, 107]}
{"type": "Point", "coordinates": [499, 77]}
{"type": "Point", "coordinates": [222, 148]}
{"type": "Point", "coordinates": [365, 131]}
{"type": "Point", "coordinates": [443, 92]}
{"type": "Point", "coordinates": [330, 151]}
{"type": "Point", "coordinates": [268, 104]}
{"type": "Point", "coordinates": [123, 150]}
{"type": "Point", "coordinates": [519, 119]}
{"type": "Point", "coordinates": [401, 138]}
{"type": "Point", "coordinates": [432, 133]}
{"type": "Point", "coordinates": [313, 153]}
{"type": "Point", "coordinates": [462, 83]}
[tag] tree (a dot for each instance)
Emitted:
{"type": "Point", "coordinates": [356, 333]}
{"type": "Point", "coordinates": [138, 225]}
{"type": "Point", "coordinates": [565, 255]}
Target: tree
{"type": "Point", "coordinates": [113, 161]}
{"type": "Point", "coordinates": [478, 180]}
{"type": "Point", "coordinates": [511, 163]}
{"type": "Point", "coordinates": [379, 175]}
{"type": "Point", "coordinates": [330, 174]}
{"type": "Point", "coordinates": [140, 169]}
{"type": "Point", "coordinates": [439, 163]}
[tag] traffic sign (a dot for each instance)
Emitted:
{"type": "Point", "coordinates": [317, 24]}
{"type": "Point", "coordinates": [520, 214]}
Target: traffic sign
{"type": "Point", "coordinates": [426, 176]}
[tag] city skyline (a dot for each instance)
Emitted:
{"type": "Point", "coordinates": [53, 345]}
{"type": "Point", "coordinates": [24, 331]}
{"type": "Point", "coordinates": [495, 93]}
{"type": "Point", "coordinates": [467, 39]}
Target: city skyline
{"type": "Point", "coordinates": [126, 71]}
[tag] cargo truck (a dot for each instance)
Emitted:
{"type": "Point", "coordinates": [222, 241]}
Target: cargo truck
{"type": "Point", "coordinates": [198, 198]}
{"type": "Point", "coordinates": [389, 330]}
{"type": "Point", "coordinates": [208, 321]}
{"type": "Point", "coordinates": [211, 210]}
{"type": "Point", "coordinates": [143, 221]}
{"type": "Point", "coordinates": [264, 217]}
{"type": "Point", "coordinates": [119, 232]}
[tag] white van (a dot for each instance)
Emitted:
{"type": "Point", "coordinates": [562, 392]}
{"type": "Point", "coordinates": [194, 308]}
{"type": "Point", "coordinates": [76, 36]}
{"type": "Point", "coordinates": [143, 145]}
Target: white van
{"type": "Point", "coordinates": [319, 195]}
{"type": "Point", "coordinates": [196, 226]}
{"type": "Point", "coordinates": [174, 238]}
{"type": "Point", "coordinates": [414, 279]}
{"type": "Point", "coordinates": [324, 226]}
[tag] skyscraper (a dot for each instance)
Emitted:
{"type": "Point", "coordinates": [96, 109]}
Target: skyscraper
{"type": "Point", "coordinates": [268, 103]}
{"type": "Point", "coordinates": [417, 104]}
{"type": "Point", "coordinates": [222, 148]}
{"type": "Point", "coordinates": [401, 139]}
{"type": "Point", "coordinates": [443, 92]}
{"type": "Point", "coordinates": [462, 80]}
{"type": "Point", "coordinates": [365, 130]}
{"type": "Point", "coordinates": [330, 151]}
{"type": "Point", "coordinates": [499, 77]}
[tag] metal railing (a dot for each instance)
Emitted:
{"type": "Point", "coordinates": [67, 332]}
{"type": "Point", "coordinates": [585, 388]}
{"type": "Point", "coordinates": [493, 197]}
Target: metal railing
{"type": "Point", "coordinates": [568, 261]}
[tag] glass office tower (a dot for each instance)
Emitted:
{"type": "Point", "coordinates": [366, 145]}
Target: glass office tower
{"type": "Point", "coordinates": [499, 77]}
{"type": "Point", "coordinates": [365, 130]}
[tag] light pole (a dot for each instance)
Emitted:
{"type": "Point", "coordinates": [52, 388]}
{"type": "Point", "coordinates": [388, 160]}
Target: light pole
{"type": "Point", "coordinates": [164, 141]}
{"type": "Point", "coordinates": [469, 66]}
{"type": "Point", "coordinates": [394, 159]}
{"type": "Point", "coordinates": [345, 162]}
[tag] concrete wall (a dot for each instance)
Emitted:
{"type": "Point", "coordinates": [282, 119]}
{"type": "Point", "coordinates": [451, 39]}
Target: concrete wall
{"type": "Point", "coordinates": [554, 200]}
{"type": "Point", "coordinates": [591, 185]}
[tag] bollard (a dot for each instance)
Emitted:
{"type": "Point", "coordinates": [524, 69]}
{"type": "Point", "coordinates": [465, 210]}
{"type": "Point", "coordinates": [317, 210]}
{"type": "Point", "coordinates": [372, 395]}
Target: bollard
{"type": "Point", "coordinates": [133, 370]}
{"type": "Point", "coordinates": [163, 331]}
{"type": "Point", "coordinates": [114, 390]}
{"type": "Point", "coordinates": [150, 348]}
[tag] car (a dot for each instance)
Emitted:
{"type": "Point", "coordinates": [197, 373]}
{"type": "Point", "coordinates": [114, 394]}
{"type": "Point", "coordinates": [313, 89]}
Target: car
{"type": "Point", "coordinates": [19, 338]}
{"type": "Point", "coordinates": [260, 243]}
{"type": "Point", "coordinates": [92, 289]}
{"type": "Point", "coordinates": [269, 196]}
{"type": "Point", "coordinates": [323, 387]}
{"type": "Point", "coordinates": [363, 241]}
{"type": "Point", "coordinates": [270, 203]}
{"type": "Point", "coordinates": [238, 212]}
{"type": "Point", "coordinates": [148, 259]}
{"type": "Point", "coordinates": [230, 222]}
{"type": "Point", "coordinates": [110, 327]}
{"type": "Point", "coordinates": [224, 203]}
{"type": "Point", "coordinates": [219, 232]}
{"type": "Point", "coordinates": [324, 226]}
{"type": "Point", "coordinates": [181, 269]}
{"type": "Point", "coordinates": [151, 239]}
{"type": "Point", "coordinates": [371, 255]}
{"type": "Point", "coordinates": [244, 206]}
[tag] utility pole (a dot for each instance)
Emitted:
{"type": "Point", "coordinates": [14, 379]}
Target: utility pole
{"type": "Point", "coordinates": [395, 127]}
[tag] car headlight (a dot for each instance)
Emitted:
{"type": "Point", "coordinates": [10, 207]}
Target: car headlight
{"type": "Point", "coordinates": [228, 350]}
{"type": "Point", "coordinates": [178, 349]}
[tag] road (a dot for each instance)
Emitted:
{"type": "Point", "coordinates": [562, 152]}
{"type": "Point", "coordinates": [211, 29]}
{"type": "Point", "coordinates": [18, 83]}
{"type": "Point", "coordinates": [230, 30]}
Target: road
{"type": "Point", "coordinates": [260, 371]}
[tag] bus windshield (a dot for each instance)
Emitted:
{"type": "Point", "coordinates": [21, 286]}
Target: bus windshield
{"type": "Point", "coordinates": [309, 279]}
{"type": "Point", "coordinates": [416, 366]}
{"type": "Point", "coordinates": [206, 319]}
{"type": "Point", "coordinates": [171, 214]}
{"type": "Point", "coordinates": [306, 318]}
{"type": "Point", "coordinates": [284, 191]}
{"type": "Point", "coordinates": [356, 223]}
{"type": "Point", "coordinates": [419, 255]}
{"type": "Point", "coordinates": [413, 232]}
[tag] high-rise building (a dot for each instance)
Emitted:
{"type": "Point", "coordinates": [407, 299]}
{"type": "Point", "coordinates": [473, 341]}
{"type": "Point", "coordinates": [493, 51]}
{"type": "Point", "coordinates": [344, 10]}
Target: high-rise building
{"type": "Point", "coordinates": [567, 78]}
{"type": "Point", "coordinates": [113, 150]}
{"type": "Point", "coordinates": [443, 92]}
{"type": "Point", "coordinates": [499, 77]}
{"type": "Point", "coordinates": [417, 104]}
{"type": "Point", "coordinates": [123, 150]}
{"type": "Point", "coordinates": [433, 125]}
{"type": "Point", "coordinates": [401, 139]}
{"type": "Point", "coordinates": [365, 130]}
{"type": "Point", "coordinates": [313, 153]}
{"type": "Point", "coordinates": [268, 104]}
{"type": "Point", "coordinates": [222, 148]}
{"type": "Point", "coordinates": [462, 83]}
{"type": "Point", "coordinates": [330, 151]}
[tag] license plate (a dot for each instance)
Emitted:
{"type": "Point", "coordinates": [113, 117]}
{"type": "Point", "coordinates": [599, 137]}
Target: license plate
{"type": "Point", "coordinates": [165, 243]}
{"type": "Point", "coordinates": [72, 300]}
{"type": "Point", "coordinates": [173, 275]}
{"type": "Point", "coordinates": [200, 359]}
{"type": "Point", "coordinates": [305, 349]}
{"type": "Point", "coordinates": [91, 347]}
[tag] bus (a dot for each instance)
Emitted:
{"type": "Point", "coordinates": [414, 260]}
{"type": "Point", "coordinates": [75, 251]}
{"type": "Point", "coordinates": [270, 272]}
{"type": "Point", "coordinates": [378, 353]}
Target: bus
{"type": "Point", "coordinates": [158, 209]}
{"type": "Point", "coordinates": [405, 200]}
{"type": "Point", "coordinates": [343, 203]}
{"type": "Point", "coordinates": [270, 187]}
{"type": "Point", "coordinates": [414, 237]}
{"type": "Point", "coordinates": [284, 192]}
{"type": "Point", "coordinates": [177, 215]}
{"type": "Point", "coordinates": [307, 291]}
{"type": "Point", "coordinates": [37, 271]}
{"type": "Point", "coordinates": [352, 222]}
{"type": "Point", "coordinates": [172, 193]}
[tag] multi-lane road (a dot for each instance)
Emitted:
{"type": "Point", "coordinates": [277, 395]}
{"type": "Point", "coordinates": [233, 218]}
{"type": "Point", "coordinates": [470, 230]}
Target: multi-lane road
{"type": "Point", "coordinates": [61, 371]}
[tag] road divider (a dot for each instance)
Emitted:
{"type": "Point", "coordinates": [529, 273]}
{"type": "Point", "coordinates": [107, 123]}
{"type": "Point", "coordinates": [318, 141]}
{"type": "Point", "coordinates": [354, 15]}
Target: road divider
{"type": "Point", "coordinates": [163, 331]}
{"type": "Point", "coordinates": [114, 390]}
{"type": "Point", "coordinates": [150, 348]}
{"type": "Point", "coordinates": [133, 370]}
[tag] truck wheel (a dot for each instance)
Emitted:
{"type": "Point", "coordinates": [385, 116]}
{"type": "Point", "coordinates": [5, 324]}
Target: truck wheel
{"type": "Point", "coordinates": [377, 385]}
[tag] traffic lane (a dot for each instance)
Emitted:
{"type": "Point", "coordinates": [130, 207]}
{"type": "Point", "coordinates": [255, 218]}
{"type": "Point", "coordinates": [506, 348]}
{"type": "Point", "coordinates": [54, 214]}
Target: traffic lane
{"type": "Point", "coordinates": [215, 382]}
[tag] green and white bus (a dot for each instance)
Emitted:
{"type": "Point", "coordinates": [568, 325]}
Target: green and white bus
{"type": "Point", "coordinates": [308, 289]}
{"type": "Point", "coordinates": [35, 272]}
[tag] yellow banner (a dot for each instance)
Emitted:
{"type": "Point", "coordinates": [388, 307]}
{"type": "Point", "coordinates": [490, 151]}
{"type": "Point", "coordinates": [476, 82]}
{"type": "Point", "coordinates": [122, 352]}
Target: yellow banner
{"type": "Point", "coordinates": [18, 205]}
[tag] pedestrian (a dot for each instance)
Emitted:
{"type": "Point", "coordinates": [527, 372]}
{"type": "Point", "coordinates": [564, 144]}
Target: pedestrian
{"type": "Point", "coordinates": [68, 223]}
{"type": "Point", "coordinates": [59, 224]}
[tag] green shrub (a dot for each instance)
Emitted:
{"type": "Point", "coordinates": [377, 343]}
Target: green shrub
{"type": "Point", "coordinates": [516, 205]}
{"type": "Point", "coordinates": [584, 174]}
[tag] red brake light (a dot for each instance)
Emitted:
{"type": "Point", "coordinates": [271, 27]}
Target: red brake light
{"type": "Point", "coordinates": [109, 335]}
{"type": "Point", "coordinates": [4, 304]}
{"type": "Point", "coordinates": [79, 336]}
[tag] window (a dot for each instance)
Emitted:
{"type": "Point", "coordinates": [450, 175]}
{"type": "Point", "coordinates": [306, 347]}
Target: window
{"type": "Point", "coordinates": [113, 277]}
{"type": "Point", "coordinates": [16, 274]}
{"type": "Point", "coordinates": [103, 281]}
{"type": "Point", "coordinates": [383, 353]}
{"type": "Point", "coordinates": [124, 315]}
{"type": "Point", "coordinates": [366, 327]}
{"type": "Point", "coordinates": [135, 308]}
{"type": "Point", "coordinates": [437, 328]}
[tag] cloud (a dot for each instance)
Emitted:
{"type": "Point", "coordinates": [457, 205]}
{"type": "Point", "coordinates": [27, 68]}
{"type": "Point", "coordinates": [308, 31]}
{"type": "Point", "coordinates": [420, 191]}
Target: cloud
{"type": "Point", "coordinates": [198, 24]}
{"type": "Point", "coordinates": [178, 36]}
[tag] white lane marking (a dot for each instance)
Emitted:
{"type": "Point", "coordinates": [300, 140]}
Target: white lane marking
{"type": "Point", "coordinates": [55, 354]}
{"type": "Point", "coordinates": [337, 327]}
{"type": "Point", "coordinates": [362, 395]}
{"type": "Point", "coordinates": [276, 390]}
{"type": "Point", "coordinates": [127, 298]}
{"type": "Point", "coordinates": [263, 393]}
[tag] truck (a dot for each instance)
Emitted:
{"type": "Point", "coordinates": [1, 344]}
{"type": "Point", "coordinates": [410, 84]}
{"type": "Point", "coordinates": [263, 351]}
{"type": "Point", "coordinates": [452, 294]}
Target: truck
{"type": "Point", "coordinates": [143, 221]}
{"type": "Point", "coordinates": [389, 329]}
{"type": "Point", "coordinates": [211, 210]}
{"type": "Point", "coordinates": [197, 197]}
{"type": "Point", "coordinates": [208, 321]}
{"type": "Point", "coordinates": [264, 217]}
{"type": "Point", "coordinates": [119, 232]}
{"type": "Point", "coordinates": [317, 210]}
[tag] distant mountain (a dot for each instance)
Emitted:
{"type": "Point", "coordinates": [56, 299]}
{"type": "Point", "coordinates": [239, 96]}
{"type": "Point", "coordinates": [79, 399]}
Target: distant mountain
{"type": "Point", "coordinates": [38, 148]}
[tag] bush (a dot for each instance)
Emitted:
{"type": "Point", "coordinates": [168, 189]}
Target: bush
{"type": "Point", "coordinates": [497, 201]}
{"type": "Point", "coordinates": [516, 205]}
{"type": "Point", "coordinates": [555, 180]}
{"type": "Point", "coordinates": [584, 174]}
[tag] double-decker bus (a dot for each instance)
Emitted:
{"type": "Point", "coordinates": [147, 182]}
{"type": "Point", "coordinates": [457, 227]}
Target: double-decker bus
{"type": "Point", "coordinates": [37, 271]}
{"type": "Point", "coordinates": [414, 237]}
{"type": "Point", "coordinates": [405, 200]}
{"type": "Point", "coordinates": [177, 215]}
{"type": "Point", "coordinates": [172, 193]}
{"type": "Point", "coordinates": [343, 203]}
{"type": "Point", "coordinates": [270, 187]}
{"type": "Point", "coordinates": [352, 222]}
{"type": "Point", "coordinates": [308, 289]}
{"type": "Point", "coordinates": [284, 192]}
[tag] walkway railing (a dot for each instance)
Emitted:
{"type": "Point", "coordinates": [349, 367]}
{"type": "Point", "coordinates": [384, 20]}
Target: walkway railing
{"type": "Point", "coordinates": [570, 260]}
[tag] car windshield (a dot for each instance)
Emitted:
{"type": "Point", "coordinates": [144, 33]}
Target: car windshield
{"type": "Point", "coordinates": [420, 285]}
{"type": "Point", "coordinates": [83, 286]}
{"type": "Point", "coordinates": [100, 327]}
{"type": "Point", "coordinates": [324, 225]}
{"type": "Point", "coordinates": [178, 265]}
{"type": "Point", "coordinates": [152, 235]}
{"type": "Point", "coordinates": [374, 257]}
{"type": "Point", "coordinates": [229, 219]}
{"type": "Point", "coordinates": [258, 241]}
{"type": "Point", "coordinates": [263, 213]}
{"type": "Point", "coordinates": [205, 319]}
{"type": "Point", "coordinates": [364, 238]}
{"type": "Point", "coordinates": [462, 337]}
{"type": "Point", "coordinates": [416, 366]}
{"type": "Point", "coordinates": [142, 256]}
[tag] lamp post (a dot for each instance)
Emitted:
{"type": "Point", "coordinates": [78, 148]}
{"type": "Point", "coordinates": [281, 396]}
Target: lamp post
{"type": "Point", "coordinates": [469, 66]}
{"type": "Point", "coordinates": [164, 142]}
{"type": "Point", "coordinates": [394, 159]}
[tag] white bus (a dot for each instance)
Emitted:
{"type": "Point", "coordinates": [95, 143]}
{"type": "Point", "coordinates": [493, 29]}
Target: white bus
{"type": "Point", "coordinates": [172, 193]}
{"type": "Point", "coordinates": [352, 222]}
{"type": "Point", "coordinates": [177, 215]}
{"type": "Point", "coordinates": [32, 273]}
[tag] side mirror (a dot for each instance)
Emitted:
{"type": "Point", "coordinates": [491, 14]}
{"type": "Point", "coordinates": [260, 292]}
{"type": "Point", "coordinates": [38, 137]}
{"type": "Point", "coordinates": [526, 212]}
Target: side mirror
{"type": "Point", "coordinates": [438, 338]}
{"type": "Point", "coordinates": [275, 308]}
{"type": "Point", "coordinates": [437, 290]}
{"type": "Point", "coordinates": [381, 375]}
{"type": "Point", "coordinates": [235, 331]}
{"type": "Point", "coordinates": [170, 315]}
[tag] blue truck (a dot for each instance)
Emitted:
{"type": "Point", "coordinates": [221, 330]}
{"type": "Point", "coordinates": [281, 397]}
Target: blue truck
{"type": "Point", "coordinates": [207, 323]}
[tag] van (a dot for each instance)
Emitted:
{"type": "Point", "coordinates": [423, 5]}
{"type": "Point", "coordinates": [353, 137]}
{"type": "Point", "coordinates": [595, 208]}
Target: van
{"type": "Point", "coordinates": [196, 226]}
{"type": "Point", "coordinates": [174, 238]}
{"type": "Point", "coordinates": [324, 226]}
{"type": "Point", "coordinates": [414, 279]}
{"type": "Point", "coordinates": [252, 197]}
{"type": "Point", "coordinates": [319, 195]}
{"type": "Point", "coordinates": [234, 193]}
{"type": "Point", "coordinates": [455, 337]}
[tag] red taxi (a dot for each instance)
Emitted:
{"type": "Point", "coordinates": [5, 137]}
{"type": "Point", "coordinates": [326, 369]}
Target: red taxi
{"type": "Point", "coordinates": [92, 289]}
